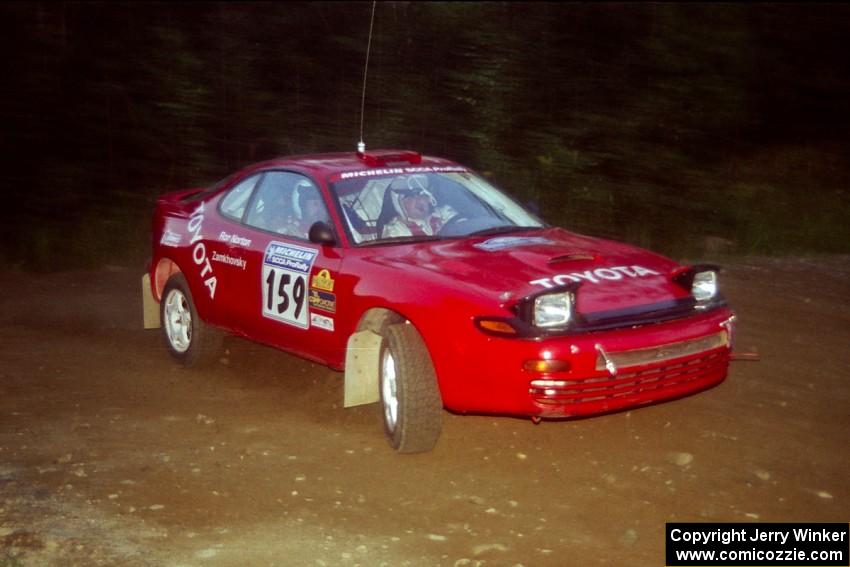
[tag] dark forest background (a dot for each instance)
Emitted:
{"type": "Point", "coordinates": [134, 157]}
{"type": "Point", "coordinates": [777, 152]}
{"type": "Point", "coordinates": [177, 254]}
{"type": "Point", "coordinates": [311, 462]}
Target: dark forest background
{"type": "Point", "coordinates": [694, 129]}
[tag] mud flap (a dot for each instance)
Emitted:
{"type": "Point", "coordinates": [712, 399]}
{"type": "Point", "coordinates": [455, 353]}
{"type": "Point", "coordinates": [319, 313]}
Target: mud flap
{"type": "Point", "coordinates": [362, 360]}
{"type": "Point", "coordinates": [150, 307]}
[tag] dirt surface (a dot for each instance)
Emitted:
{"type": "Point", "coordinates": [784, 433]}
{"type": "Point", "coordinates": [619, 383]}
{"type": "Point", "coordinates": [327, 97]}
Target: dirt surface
{"type": "Point", "coordinates": [112, 454]}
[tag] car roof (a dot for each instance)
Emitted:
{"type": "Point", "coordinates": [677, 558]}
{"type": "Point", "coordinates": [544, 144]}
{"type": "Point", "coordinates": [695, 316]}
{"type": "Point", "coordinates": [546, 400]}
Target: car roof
{"type": "Point", "coordinates": [340, 162]}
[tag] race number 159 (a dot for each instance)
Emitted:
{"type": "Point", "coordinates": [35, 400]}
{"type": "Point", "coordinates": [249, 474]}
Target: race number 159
{"type": "Point", "coordinates": [285, 296]}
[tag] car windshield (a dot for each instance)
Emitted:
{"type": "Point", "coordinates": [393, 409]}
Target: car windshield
{"type": "Point", "coordinates": [404, 206]}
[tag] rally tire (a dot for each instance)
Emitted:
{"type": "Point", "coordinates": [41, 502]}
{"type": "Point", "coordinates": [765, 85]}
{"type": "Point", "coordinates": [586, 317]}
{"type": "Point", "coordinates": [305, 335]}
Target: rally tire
{"type": "Point", "coordinates": [188, 339]}
{"type": "Point", "coordinates": [411, 406]}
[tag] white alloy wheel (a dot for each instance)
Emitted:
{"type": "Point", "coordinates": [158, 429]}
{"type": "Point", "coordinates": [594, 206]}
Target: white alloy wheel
{"type": "Point", "coordinates": [389, 390]}
{"type": "Point", "coordinates": [178, 321]}
{"type": "Point", "coordinates": [188, 339]}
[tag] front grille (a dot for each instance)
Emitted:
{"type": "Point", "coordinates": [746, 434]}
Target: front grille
{"type": "Point", "coordinates": [663, 353]}
{"type": "Point", "coordinates": [647, 383]}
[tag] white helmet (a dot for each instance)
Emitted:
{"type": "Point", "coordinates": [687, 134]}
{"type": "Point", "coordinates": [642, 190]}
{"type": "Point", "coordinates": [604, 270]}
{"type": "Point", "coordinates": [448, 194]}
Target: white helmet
{"type": "Point", "coordinates": [412, 185]}
{"type": "Point", "coordinates": [304, 189]}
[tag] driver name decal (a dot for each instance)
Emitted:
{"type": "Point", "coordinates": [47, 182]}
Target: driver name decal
{"type": "Point", "coordinates": [613, 273]}
{"type": "Point", "coordinates": [286, 269]}
{"type": "Point", "coordinates": [228, 259]}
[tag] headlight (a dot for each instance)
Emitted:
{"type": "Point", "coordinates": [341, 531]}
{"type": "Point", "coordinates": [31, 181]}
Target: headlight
{"type": "Point", "coordinates": [704, 286]}
{"type": "Point", "coordinates": [553, 309]}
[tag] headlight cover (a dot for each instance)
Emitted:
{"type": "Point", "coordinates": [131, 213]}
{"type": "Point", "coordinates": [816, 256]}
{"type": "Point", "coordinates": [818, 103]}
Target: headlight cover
{"type": "Point", "coordinates": [704, 287]}
{"type": "Point", "coordinates": [553, 309]}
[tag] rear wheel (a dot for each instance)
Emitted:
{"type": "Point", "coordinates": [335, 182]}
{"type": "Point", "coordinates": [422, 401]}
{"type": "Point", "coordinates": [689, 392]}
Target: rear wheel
{"type": "Point", "coordinates": [410, 397]}
{"type": "Point", "coordinates": [187, 337]}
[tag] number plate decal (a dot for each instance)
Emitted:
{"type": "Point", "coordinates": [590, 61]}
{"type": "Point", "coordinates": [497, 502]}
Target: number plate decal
{"type": "Point", "coordinates": [286, 271]}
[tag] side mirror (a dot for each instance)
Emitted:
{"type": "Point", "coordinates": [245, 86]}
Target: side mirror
{"type": "Point", "coordinates": [321, 233]}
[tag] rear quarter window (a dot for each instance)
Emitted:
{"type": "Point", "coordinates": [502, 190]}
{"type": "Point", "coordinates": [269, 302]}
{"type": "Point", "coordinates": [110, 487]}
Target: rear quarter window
{"type": "Point", "coordinates": [234, 203]}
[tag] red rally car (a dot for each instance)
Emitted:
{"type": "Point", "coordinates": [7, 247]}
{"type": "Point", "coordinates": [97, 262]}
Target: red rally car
{"type": "Point", "coordinates": [430, 289]}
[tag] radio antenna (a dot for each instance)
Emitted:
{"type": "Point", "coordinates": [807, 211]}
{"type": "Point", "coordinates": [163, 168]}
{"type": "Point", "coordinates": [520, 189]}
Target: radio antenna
{"type": "Point", "coordinates": [361, 145]}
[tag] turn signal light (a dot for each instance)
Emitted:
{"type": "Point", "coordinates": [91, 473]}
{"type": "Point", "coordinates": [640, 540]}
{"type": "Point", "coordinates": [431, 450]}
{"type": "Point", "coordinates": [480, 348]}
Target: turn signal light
{"type": "Point", "coordinates": [544, 366]}
{"type": "Point", "coordinates": [496, 327]}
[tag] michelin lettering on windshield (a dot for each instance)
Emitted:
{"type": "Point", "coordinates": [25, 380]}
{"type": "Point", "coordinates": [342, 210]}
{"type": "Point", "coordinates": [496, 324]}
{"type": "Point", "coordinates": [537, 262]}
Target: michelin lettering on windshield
{"type": "Point", "coordinates": [398, 171]}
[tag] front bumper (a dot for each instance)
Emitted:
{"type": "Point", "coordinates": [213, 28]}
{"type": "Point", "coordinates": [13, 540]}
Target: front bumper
{"type": "Point", "coordinates": [641, 376]}
{"type": "Point", "coordinates": [607, 371]}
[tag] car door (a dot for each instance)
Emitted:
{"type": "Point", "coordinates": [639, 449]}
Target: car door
{"type": "Point", "coordinates": [289, 297]}
{"type": "Point", "coordinates": [227, 245]}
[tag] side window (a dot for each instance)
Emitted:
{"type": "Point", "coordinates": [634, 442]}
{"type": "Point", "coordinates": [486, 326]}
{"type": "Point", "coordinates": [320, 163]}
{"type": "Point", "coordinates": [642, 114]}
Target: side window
{"type": "Point", "coordinates": [287, 203]}
{"type": "Point", "coordinates": [234, 203]}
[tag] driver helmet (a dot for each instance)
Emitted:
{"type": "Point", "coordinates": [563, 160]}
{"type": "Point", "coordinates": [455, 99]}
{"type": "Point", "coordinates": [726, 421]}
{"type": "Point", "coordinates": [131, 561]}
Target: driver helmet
{"type": "Point", "coordinates": [410, 186]}
{"type": "Point", "coordinates": [304, 190]}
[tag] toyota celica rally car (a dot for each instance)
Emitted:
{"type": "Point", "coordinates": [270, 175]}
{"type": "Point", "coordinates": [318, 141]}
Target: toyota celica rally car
{"type": "Point", "coordinates": [429, 288]}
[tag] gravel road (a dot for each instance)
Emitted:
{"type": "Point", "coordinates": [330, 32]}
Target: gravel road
{"type": "Point", "coordinates": [110, 454]}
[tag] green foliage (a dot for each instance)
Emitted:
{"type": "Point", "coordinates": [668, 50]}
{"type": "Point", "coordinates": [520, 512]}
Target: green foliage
{"type": "Point", "coordinates": [687, 128]}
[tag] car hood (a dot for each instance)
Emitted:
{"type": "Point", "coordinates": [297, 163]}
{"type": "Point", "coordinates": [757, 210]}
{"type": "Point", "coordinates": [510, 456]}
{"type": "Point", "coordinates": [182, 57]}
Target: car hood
{"type": "Point", "coordinates": [611, 276]}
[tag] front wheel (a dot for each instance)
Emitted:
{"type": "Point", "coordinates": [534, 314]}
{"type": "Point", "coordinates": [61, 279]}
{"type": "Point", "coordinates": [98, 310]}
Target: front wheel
{"type": "Point", "coordinates": [410, 397]}
{"type": "Point", "coordinates": [187, 337]}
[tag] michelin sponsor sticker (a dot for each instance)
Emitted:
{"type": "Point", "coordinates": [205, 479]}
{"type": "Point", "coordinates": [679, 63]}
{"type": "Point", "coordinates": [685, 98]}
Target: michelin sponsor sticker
{"type": "Point", "coordinates": [402, 171]}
